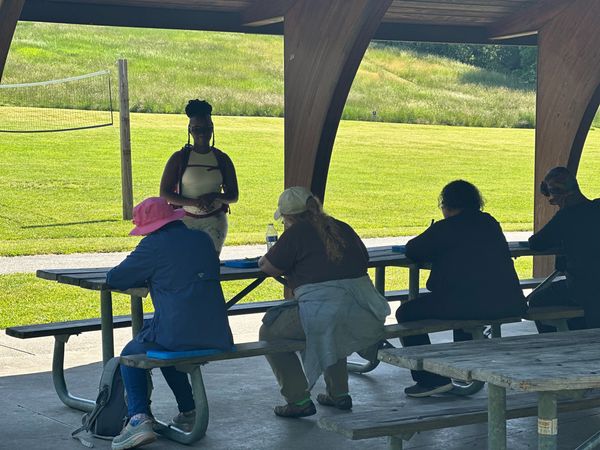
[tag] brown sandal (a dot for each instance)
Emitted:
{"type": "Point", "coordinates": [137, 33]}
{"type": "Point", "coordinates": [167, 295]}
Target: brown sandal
{"type": "Point", "coordinates": [293, 410]}
{"type": "Point", "coordinates": [344, 402]}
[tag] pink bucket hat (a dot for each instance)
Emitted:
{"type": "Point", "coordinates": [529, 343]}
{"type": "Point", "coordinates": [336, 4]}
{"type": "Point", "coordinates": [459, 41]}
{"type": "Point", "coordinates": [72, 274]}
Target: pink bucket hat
{"type": "Point", "coordinates": [153, 213]}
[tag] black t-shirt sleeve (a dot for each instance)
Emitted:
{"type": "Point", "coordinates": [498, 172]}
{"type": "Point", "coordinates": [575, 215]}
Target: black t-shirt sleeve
{"type": "Point", "coordinates": [284, 253]}
{"type": "Point", "coordinates": [424, 246]}
{"type": "Point", "coordinates": [550, 236]}
{"type": "Point", "coordinates": [354, 239]}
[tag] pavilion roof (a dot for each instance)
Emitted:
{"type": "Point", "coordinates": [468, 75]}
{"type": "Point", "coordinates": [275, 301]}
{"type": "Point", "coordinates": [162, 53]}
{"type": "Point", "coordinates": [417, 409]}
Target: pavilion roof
{"type": "Point", "coordinates": [418, 20]}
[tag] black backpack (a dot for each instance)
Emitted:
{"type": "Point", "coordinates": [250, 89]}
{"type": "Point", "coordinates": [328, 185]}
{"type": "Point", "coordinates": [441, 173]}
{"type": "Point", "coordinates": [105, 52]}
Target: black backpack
{"type": "Point", "coordinates": [109, 415]}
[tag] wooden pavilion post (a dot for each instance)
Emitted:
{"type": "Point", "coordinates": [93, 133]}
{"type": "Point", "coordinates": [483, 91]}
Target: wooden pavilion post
{"type": "Point", "coordinates": [325, 42]}
{"type": "Point", "coordinates": [568, 95]}
{"type": "Point", "coordinates": [10, 11]}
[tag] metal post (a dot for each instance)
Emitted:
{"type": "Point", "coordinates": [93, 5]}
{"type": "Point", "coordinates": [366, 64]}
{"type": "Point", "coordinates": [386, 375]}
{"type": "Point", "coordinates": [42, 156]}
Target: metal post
{"type": "Point", "coordinates": [58, 377]}
{"type": "Point", "coordinates": [547, 421]}
{"type": "Point", "coordinates": [380, 279]}
{"type": "Point", "coordinates": [137, 315]}
{"type": "Point", "coordinates": [395, 443]}
{"type": "Point", "coordinates": [496, 330]}
{"type": "Point", "coordinates": [413, 282]}
{"type": "Point", "coordinates": [201, 424]}
{"type": "Point", "coordinates": [106, 322]}
{"type": "Point", "coordinates": [496, 417]}
{"type": "Point", "coordinates": [125, 131]}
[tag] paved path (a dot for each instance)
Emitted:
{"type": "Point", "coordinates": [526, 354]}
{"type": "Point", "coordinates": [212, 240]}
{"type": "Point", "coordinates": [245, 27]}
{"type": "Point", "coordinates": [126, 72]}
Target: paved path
{"type": "Point", "coordinates": [29, 264]}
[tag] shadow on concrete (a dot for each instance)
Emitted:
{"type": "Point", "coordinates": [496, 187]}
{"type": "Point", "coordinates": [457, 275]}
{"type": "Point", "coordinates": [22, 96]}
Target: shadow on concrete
{"type": "Point", "coordinates": [242, 394]}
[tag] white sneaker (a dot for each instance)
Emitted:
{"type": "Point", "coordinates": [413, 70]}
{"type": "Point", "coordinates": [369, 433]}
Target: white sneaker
{"type": "Point", "coordinates": [134, 436]}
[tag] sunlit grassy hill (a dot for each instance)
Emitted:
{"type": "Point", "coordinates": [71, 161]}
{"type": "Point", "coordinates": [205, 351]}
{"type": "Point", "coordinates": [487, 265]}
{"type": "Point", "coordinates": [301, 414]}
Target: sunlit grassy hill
{"type": "Point", "coordinates": [243, 75]}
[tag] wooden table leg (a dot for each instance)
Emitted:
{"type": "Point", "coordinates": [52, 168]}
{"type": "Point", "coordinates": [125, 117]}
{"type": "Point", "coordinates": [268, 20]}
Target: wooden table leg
{"type": "Point", "coordinates": [496, 417]}
{"type": "Point", "coordinates": [106, 321]}
{"type": "Point", "coordinates": [547, 421]}
{"type": "Point", "coordinates": [137, 315]}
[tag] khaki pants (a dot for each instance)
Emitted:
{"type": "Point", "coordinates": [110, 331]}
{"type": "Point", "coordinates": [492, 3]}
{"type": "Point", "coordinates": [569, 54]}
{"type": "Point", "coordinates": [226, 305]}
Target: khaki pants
{"type": "Point", "coordinates": [287, 367]}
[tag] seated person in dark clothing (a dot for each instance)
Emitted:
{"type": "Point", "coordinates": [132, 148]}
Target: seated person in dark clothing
{"type": "Point", "coordinates": [575, 230]}
{"type": "Point", "coordinates": [472, 274]}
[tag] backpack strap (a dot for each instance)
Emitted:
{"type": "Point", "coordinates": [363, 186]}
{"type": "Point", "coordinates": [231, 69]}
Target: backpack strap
{"type": "Point", "coordinates": [184, 157]}
{"type": "Point", "coordinates": [223, 161]}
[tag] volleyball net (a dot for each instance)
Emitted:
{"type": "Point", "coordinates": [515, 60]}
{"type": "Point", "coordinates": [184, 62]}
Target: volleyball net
{"type": "Point", "coordinates": [73, 103]}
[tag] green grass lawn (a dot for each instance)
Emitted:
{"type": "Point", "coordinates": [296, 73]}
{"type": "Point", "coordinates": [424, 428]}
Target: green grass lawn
{"type": "Point", "coordinates": [61, 191]}
{"type": "Point", "coordinates": [242, 75]}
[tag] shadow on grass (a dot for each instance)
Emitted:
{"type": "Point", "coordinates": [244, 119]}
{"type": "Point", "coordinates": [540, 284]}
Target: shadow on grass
{"type": "Point", "coordinates": [66, 224]}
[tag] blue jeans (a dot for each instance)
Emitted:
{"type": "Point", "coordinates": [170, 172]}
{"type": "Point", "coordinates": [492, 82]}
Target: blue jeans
{"type": "Point", "coordinates": [136, 382]}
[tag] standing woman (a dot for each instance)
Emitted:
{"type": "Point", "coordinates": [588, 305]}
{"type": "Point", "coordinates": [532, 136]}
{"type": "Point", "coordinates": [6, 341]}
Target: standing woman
{"type": "Point", "coordinates": [201, 178]}
{"type": "Point", "coordinates": [337, 309]}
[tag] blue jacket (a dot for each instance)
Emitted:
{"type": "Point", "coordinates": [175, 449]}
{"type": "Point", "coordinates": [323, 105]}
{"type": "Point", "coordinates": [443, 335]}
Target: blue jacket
{"type": "Point", "coordinates": [181, 269]}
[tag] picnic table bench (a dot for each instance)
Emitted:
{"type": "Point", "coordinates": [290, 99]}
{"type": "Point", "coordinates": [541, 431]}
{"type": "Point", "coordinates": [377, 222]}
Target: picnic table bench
{"type": "Point", "coordinates": [401, 422]}
{"type": "Point", "coordinates": [63, 330]}
{"type": "Point", "coordinates": [192, 365]}
{"type": "Point", "coordinates": [95, 279]}
{"type": "Point", "coordinates": [550, 364]}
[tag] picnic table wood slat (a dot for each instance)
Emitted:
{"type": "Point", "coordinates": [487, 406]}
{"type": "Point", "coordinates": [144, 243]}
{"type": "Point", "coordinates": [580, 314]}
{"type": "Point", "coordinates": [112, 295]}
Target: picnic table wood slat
{"type": "Point", "coordinates": [561, 360]}
{"type": "Point", "coordinates": [553, 312]}
{"type": "Point", "coordinates": [53, 274]}
{"type": "Point", "coordinates": [436, 325]}
{"type": "Point", "coordinates": [243, 350]}
{"type": "Point", "coordinates": [381, 256]}
{"type": "Point", "coordinates": [440, 413]}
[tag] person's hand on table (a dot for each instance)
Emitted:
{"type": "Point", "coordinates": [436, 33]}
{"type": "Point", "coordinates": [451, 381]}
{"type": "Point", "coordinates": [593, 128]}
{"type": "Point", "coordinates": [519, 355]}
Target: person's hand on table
{"type": "Point", "coordinates": [265, 265]}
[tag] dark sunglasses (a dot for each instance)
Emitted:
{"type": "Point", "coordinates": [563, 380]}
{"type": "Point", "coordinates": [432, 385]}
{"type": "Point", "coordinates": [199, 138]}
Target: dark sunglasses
{"type": "Point", "coordinates": [547, 191]}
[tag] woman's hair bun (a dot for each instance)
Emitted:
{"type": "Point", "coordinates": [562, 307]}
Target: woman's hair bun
{"type": "Point", "coordinates": [196, 108]}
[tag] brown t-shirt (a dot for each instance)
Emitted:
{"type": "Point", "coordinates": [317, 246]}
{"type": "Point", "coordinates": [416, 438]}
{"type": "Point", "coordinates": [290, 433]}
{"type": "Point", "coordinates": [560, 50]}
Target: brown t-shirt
{"type": "Point", "coordinates": [301, 255]}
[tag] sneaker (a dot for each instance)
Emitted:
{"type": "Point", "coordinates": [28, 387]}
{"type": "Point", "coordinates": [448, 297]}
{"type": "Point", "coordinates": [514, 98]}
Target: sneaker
{"type": "Point", "coordinates": [344, 402]}
{"type": "Point", "coordinates": [134, 436]}
{"type": "Point", "coordinates": [419, 390]}
{"type": "Point", "coordinates": [293, 410]}
{"type": "Point", "coordinates": [185, 420]}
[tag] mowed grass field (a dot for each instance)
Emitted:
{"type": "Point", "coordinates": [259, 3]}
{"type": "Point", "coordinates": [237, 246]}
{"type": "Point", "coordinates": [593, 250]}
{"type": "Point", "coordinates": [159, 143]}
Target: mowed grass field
{"type": "Point", "coordinates": [242, 75]}
{"type": "Point", "coordinates": [61, 191]}
{"type": "Point", "coordinates": [62, 194]}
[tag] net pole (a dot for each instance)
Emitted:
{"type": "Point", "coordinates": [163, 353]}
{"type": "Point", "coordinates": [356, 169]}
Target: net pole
{"type": "Point", "coordinates": [125, 132]}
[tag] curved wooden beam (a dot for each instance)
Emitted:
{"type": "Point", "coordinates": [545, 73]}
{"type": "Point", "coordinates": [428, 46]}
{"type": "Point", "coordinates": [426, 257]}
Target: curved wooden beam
{"type": "Point", "coordinates": [568, 95]}
{"type": "Point", "coordinates": [10, 11]}
{"type": "Point", "coordinates": [265, 12]}
{"type": "Point", "coordinates": [528, 21]}
{"type": "Point", "coordinates": [324, 44]}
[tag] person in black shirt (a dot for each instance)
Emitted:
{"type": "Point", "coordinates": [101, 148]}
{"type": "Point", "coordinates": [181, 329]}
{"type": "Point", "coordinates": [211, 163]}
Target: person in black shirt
{"type": "Point", "coordinates": [574, 229]}
{"type": "Point", "coordinates": [472, 274]}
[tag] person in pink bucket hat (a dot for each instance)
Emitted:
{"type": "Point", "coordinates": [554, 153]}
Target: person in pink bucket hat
{"type": "Point", "coordinates": [181, 268]}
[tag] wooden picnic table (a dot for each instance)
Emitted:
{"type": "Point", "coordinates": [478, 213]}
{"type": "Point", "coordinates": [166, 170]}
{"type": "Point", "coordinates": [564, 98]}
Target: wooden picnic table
{"type": "Point", "coordinates": [548, 364]}
{"type": "Point", "coordinates": [95, 279]}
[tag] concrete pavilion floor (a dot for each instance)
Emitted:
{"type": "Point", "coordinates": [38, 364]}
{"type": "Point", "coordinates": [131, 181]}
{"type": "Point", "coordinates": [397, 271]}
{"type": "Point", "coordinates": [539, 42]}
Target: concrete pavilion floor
{"type": "Point", "coordinates": [241, 395]}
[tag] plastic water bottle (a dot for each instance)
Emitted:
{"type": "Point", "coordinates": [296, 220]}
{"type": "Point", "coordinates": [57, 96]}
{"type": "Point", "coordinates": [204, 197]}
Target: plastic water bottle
{"type": "Point", "coordinates": [271, 236]}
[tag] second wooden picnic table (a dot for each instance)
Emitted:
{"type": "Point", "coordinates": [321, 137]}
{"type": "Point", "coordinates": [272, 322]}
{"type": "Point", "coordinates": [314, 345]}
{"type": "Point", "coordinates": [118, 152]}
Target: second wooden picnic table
{"type": "Point", "coordinates": [549, 364]}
